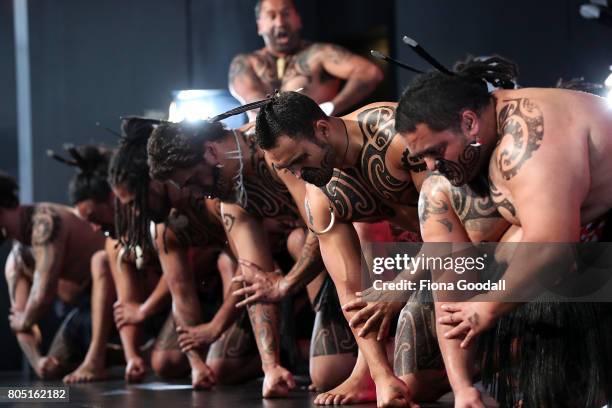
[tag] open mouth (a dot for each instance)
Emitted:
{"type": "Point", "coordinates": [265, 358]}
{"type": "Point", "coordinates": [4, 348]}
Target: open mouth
{"type": "Point", "coordinates": [282, 36]}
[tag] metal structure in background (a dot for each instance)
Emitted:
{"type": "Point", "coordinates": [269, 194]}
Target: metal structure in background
{"type": "Point", "coordinates": [24, 103]}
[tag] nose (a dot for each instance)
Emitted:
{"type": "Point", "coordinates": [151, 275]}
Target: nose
{"type": "Point", "coordinates": [431, 163]}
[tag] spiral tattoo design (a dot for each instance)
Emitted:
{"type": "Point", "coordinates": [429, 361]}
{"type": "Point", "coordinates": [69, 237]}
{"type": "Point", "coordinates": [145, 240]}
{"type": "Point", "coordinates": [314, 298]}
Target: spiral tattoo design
{"type": "Point", "coordinates": [522, 120]}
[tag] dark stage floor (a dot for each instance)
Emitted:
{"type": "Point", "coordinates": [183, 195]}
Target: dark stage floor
{"type": "Point", "coordinates": [154, 394]}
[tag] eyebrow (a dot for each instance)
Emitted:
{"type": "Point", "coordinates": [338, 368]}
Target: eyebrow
{"type": "Point", "coordinates": [431, 149]}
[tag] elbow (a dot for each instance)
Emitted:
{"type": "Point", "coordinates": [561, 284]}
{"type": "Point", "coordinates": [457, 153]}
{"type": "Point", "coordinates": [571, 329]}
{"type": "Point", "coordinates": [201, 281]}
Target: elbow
{"type": "Point", "coordinates": [374, 75]}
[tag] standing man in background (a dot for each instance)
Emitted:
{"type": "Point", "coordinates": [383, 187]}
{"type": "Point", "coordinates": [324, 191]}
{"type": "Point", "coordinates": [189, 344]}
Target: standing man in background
{"type": "Point", "coordinates": [287, 62]}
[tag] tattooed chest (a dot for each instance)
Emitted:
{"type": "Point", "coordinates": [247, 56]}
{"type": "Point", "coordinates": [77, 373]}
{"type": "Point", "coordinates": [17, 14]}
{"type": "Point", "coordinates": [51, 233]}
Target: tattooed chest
{"type": "Point", "coordinates": [352, 198]}
{"type": "Point", "coordinates": [377, 128]}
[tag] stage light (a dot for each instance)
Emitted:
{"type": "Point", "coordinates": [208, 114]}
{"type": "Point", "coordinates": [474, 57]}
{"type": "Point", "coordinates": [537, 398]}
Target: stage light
{"type": "Point", "coordinates": [199, 104]}
{"type": "Point", "coordinates": [596, 12]}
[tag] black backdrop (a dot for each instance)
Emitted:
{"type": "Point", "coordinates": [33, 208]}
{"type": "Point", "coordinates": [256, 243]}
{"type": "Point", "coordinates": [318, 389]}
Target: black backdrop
{"type": "Point", "coordinates": [92, 61]}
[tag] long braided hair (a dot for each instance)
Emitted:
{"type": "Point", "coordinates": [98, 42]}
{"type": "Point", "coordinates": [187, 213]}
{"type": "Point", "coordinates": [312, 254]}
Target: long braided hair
{"type": "Point", "coordinates": [128, 168]}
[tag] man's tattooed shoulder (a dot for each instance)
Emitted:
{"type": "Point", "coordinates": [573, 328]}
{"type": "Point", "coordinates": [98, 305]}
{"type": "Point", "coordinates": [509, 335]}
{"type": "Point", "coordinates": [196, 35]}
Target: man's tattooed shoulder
{"type": "Point", "coordinates": [46, 224]}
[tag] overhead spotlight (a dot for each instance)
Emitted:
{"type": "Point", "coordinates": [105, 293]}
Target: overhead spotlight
{"type": "Point", "coordinates": [599, 13]}
{"type": "Point", "coordinates": [602, 3]}
{"type": "Point", "coordinates": [200, 104]}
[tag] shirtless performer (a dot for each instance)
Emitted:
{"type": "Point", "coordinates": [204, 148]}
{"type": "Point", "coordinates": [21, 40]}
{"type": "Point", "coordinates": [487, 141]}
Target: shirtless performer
{"type": "Point", "coordinates": [205, 160]}
{"type": "Point", "coordinates": [543, 152]}
{"type": "Point", "coordinates": [52, 257]}
{"type": "Point", "coordinates": [93, 200]}
{"type": "Point", "coordinates": [287, 63]}
{"type": "Point", "coordinates": [188, 237]}
{"type": "Point", "coordinates": [375, 183]}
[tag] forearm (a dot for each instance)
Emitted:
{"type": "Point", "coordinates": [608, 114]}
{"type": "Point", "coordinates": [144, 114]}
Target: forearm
{"type": "Point", "coordinates": [265, 322]}
{"type": "Point", "coordinates": [227, 313]}
{"type": "Point", "coordinates": [355, 90]}
{"type": "Point", "coordinates": [306, 268]}
{"type": "Point", "coordinates": [35, 308]}
{"type": "Point", "coordinates": [157, 300]}
{"type": "Point", "coordinates": [29, 345]}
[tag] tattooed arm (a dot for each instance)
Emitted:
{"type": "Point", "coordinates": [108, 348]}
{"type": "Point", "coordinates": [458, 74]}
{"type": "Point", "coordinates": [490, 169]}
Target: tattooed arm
{"type": "Point", "coordinates": [361, 75]}
{"type": "Point", "coordinates": [341, 254]}
{"type": "Point", "coordinates": [244, 84]}
{"type": "Point", "coordinates": [249, 243]}
{"type": "Point", "coordinates": [274, 287]}
{"type": "Point", "coordinates": [48, 246]}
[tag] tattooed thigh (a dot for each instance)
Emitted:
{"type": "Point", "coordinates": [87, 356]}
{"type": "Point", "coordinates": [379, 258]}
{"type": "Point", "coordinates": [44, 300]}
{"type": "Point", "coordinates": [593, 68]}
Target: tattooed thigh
{"type": "Point", "coordinates": [236, 342]}
{"type": "Point", "coordinates": [416, 344]}
{"type": "Point", "coordinates": [167, 339]}
{"type": "Point", "coordinates": [331, 333]}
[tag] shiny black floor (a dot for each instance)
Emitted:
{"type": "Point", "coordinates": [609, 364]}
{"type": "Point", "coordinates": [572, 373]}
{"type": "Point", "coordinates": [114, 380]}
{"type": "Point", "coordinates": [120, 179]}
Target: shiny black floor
{"type": "Point", "coordinates": [154, 394]}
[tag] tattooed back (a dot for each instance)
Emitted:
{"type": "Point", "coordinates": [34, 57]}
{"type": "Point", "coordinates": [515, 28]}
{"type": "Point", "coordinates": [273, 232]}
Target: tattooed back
{"type": "Point", "coordinates": [552, 140]}
{"type": "Point", "coordinates": [57, 234]}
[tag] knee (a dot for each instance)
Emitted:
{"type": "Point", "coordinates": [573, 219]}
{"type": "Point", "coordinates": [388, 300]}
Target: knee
{"type": "Point", "coordinates": [226, 371]}
{"type": "Point", "coordinates": [169, 365]}
{"type": "Point", "coordinates": [295, 242]}
{"type": "Point", "coordinates": [327, 372]}
{"type": "Point", "coordinates": [100, 268]}
{"type": "Point", "coordinates": [226, 264]}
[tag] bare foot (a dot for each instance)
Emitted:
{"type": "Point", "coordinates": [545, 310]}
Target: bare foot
{"type": "Point", "coordinates": [358, 388]}
{"type": "Point", "coordinates": [277, 382]}
{"type": "Point", "coordinates": [392, 392]}
{"type": "Point", "coordinates": [468, 397]}
{"type": "Point", "coordinates": [135, 370]}
{"type": "Point", "coordinates": [88, 371]}
{"type": "Point", "coordinates": [202, 377]}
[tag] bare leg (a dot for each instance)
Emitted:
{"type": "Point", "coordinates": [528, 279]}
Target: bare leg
{"type": "Point", "coordinates": [19, 289]}
{"type": "Point", "coordinates": [459, 366]}
{"type": "Point", "coordinates": [129, 289]}
{"type": "Point", "coordinates": [417, 358]}
{"type": "Point", "coordinates": [233, 357]}
{"type": "Point", "coordinates": [167, 360]}
{"type": "Point", "coordinates": [186, 307]}
{"type": "Point", "coordinates": [102, 297]}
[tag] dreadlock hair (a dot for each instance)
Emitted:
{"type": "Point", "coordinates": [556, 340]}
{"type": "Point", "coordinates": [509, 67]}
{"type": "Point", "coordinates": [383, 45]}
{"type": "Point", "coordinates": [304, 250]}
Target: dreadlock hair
{"type": "Point", "coordinates": [290, 113]}
{"type": "Point", "coordinates": [128, 167]}
{"type": "Point", "coordinates": [9, 191]}
{"type": "Point", "coordinates": [179, 145]}
{"type": "Point", "coordinates": [90, 180]}
{"type": "Point", "coordinates": [437, 99]}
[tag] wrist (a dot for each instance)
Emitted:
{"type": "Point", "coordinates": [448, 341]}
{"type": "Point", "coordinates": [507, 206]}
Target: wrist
{"type": "Point", "coordinates": [143, 312]}
{"type": "Point", "coordinates": [285, 287]}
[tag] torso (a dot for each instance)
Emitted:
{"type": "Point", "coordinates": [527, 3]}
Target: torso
{"type": "Point", "coordinates": [374, 189]}
{"type": "Point", "coordinates": [302, 70]}
{"type": "Point", "coordinates": [572, 124]}
{"type": "Point", "coordinates": [47, 223]}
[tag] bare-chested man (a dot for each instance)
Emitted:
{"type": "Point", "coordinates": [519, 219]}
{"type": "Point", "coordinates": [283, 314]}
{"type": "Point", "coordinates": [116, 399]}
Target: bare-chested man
{"type": "Point", "coordinates": [288, 63]}
{"type": "Point", "coordinates": [51, 258]}
{"type": "Point", "coordinates": [224, 163]}
{"type": "Point", "coordinates": [355, 169]}
{"type": "Point", "coordinates": [188, 237]}
{"type": "Point", "coordinates": [543, 151]}
{"type": "Point", "coordinates": [93, 200]}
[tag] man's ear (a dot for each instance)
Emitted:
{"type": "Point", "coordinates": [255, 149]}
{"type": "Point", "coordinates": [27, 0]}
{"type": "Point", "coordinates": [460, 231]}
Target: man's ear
{"type": "Point", "coordinates": [470, 123]}
{"type": "Point", "coordinates": [322, 130]}
{"type": "Point", "coordinates": [210, 153]}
